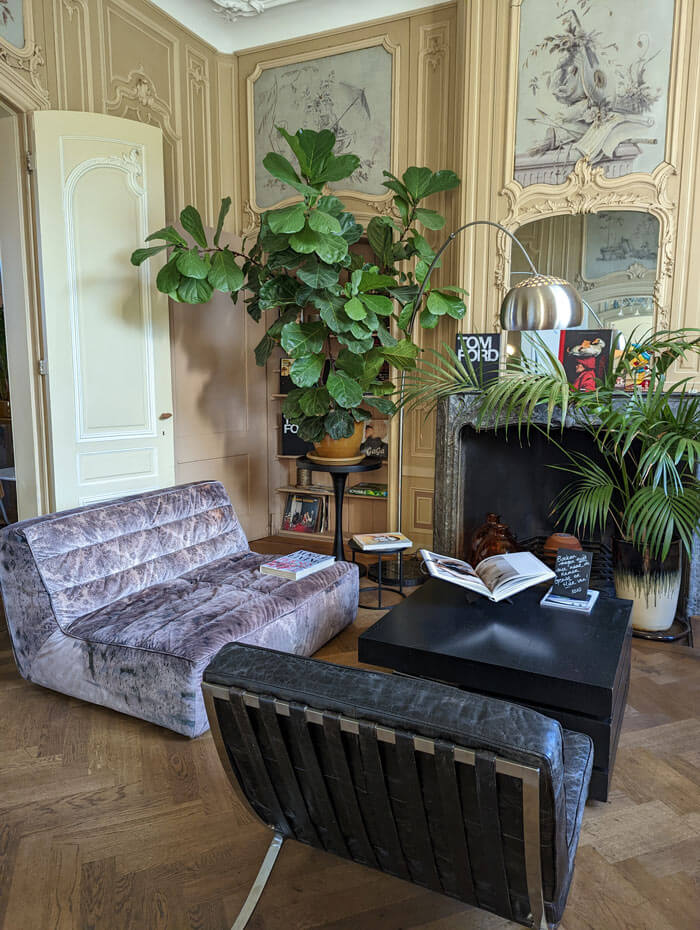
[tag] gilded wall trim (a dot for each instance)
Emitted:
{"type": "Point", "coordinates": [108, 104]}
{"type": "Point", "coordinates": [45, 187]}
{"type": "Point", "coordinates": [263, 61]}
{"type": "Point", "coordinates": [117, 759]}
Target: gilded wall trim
{"type": "Point", "coordinates": [588, 190]}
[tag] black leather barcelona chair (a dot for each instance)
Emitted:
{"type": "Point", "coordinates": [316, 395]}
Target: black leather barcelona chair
{"type": "Point", "coordinates": [466, 795]}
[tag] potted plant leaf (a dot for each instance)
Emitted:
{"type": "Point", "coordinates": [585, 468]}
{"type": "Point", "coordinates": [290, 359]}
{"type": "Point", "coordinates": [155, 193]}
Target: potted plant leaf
{"type": "Point", "coordinates": [340, 317]}
{"type": "Point", "coordinates": [640, 480]}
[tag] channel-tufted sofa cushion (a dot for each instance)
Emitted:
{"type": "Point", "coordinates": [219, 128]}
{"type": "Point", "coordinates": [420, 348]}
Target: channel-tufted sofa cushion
{"type": "Point", "coordinates": [124, 603]}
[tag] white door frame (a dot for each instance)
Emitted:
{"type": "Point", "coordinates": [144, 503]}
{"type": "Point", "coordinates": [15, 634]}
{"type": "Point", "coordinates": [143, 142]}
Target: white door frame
{"type": "Point", "coordinates": [22, 313]}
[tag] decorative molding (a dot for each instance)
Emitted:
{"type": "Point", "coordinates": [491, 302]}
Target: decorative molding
{"type": "Point", "coordinates": [233, 10]}
{"type": "Point", "coordinates": [434, 51]}
{"type": "Point", "coordinates": [137, 93]}
{"type": "Point", "coordinates": [588, 190]}
{"type": "Point", "coordinates": [199, 136]}
{"type": "Point", "coordinates": [77, 15]}
{"type": "Point", "coordinates": [358, 203]}
{"type": "Point", "coordinates": [29, 62]}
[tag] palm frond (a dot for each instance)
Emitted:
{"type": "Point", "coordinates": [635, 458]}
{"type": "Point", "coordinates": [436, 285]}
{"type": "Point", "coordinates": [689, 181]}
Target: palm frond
{"type": "Point", "coordinates": [654, 517]}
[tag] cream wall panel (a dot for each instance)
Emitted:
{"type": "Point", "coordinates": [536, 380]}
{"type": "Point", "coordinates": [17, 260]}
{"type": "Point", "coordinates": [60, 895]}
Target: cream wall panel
{"type": "Point", "coordinates": [73, 50]}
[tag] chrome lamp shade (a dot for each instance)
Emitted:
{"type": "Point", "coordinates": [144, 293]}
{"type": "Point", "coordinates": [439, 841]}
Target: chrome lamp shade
{"type": "Point", "coordinates": [541, 302]}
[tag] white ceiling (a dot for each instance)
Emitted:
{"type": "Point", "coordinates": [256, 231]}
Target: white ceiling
{"type": "Point", "coordinates": [279, 19]}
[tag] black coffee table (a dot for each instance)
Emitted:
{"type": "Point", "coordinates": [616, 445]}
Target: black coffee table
{"type": "Point", "coordinates": [570, 666]}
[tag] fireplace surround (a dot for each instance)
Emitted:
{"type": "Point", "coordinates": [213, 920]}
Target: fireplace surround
{"type": "Point", "coordinates": [486, 470]}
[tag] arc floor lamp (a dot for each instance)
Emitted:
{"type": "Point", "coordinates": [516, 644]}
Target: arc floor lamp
{"type": "Point", "coordinates": [538, 301]}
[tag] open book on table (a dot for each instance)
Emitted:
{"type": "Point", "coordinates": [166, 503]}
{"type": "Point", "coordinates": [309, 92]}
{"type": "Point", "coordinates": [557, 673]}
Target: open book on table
{"type": "Point", "coordinates": [497, 577]}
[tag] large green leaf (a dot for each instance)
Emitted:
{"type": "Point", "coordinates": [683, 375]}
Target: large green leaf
{"type": "Point", "coordinates": [191, 265]}
{"type": "Point", "coordinates": [349, 229]}
{"type": "Point", "coordinates": [311, 429]}
{"type": "Point", "coordinates": [385, 336]}
{"type": "Point", "coordinates": [280, 168]}
{"type": "Point", "coordinates": [402, 355]}
{"type": "Point", "coordinates": [169, 277]}
{"type": "Point", "coordinates": [140, 255]}
{"type": "Point", "coordinates": [353, 365]}
{"type": "Point", "coordinates": [440, 303]}
{"type": "Point", "coordinates": [343, 389]}
{"type": "Point", "coordinates": [336, 319]}
{"type": "Point", "coordinates": [168, 234]}
{"type": "Point", "coordinates": [331, 248]}
{"type": "Point", "coordinates": [417, 181]}
{"type": "Point", "coordinates": [380, 238]}
{"type": "Point", "coordinates": [339, 424]}
{"type": "Point", "coordinates": [278, 292]}
{"type": "Point", "coordinates": [371, 280]}
{"type": "Point", "coordinates": [324, 222]}
{"type": "Point", "coordinates": [428, 320]}
{"type": "Point", "coordinates": [192, 223]}
{"type": "Point", "coordinates": [383, 306]}
{"type": "Point", "coordinates": [225, 275]}
{"type": "Point", "coordinates": [307, 370]}
{"type": "Point", "coordinates": [332, 205]}
{"type": "Point", "coordinates": [287, 220]}
{"type": "Point", "coordinates": [315, 401]}
{"type": "Point", "coordinates": [194, 291]}
{"type": "Point", "coordinates": [382, 404]}
{"type": "Point", "coordinates": [430, 218]}
{"type": "Point", "coordinates": [355, 309]}
{"type": "Point", "coordinates": [306, 241]}
{"type": "Point", "coordinates": [339, 167]}
{"type": "Point", "coordinates": [263, 349]}
{"type": "Point", "coordinates": [442, 181]}
{"type": "Point", "coordinates": [291, 407]}
{"type": "Point", "coordinates": [359, 345]}
{"type": "Point", "coordinates": [316, 147]}
{"type": "Point", "coordinates": [300, 339]}
{"type": "Point", "coordinates": [317, 274]}
{"type": "Point", "coordinates": [223, 211]}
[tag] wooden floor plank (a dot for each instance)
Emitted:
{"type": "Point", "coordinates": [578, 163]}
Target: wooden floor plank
{"type": "Point", "coordinates": [109, 823]}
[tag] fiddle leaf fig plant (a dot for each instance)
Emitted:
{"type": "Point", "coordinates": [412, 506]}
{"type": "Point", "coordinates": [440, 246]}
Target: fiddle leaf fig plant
{"type": "Point", "coordinates": [340, 316]}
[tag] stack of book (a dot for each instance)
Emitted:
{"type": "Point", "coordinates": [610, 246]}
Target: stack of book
{"type": "Point", "coordinates": [377, 542]}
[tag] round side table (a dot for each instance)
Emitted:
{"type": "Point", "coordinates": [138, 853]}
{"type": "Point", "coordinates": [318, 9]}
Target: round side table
{"type": "Point", "coordinates": [339, 473]}
{"type": "Point", "coordinates": [381, 588]}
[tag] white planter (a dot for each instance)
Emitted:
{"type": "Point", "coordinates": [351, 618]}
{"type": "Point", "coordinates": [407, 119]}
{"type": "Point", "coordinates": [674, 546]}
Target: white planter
{"type": "Point", "coordinates": [653, 586]}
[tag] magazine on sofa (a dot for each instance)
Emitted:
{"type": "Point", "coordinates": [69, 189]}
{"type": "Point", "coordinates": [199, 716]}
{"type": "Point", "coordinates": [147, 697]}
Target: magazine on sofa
{"type": "Point", "coordinates": [297, 565]}
{"type": "Point", "coordinates": [497, 577]}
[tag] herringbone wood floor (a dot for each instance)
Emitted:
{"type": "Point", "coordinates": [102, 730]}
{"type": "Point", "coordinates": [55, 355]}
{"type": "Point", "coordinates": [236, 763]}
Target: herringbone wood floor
{"type": "Point", "coordinates": [109, 823]}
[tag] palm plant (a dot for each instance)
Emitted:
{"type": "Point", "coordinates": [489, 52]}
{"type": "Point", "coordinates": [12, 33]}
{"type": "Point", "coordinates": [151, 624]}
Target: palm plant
{"type": "Point", "coordinates": [643, 478]}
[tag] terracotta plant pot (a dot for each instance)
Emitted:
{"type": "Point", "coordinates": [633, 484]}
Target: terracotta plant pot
{"type": "Point", "coordinates": [348, 448]}
{"type": "Point", "coordinates": [651, 584]}
{"type": "Point", "coordinates": [558, 541]}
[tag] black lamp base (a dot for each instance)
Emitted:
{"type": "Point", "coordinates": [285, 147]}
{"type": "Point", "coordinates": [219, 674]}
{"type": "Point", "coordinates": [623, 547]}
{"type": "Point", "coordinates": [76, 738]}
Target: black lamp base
{"type": "Point", "coordinates": [412, 574]}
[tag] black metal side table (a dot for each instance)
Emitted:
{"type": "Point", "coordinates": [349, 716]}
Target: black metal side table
{"type": "Point", "coordinates": [379, 590]}
{"type": "Point", "coordinates": [339, 473]}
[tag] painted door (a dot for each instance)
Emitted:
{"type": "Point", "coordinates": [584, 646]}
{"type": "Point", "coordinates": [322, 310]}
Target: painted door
{"type": "Point", "coordinates": [99, 192]}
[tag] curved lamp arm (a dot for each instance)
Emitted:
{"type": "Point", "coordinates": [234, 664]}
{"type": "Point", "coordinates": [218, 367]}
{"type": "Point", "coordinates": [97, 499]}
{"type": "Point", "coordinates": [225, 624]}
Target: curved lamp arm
{"type": "Point", "coordinates": [416, 306]}
{"type": "Point", "coordinates": [446, 243]}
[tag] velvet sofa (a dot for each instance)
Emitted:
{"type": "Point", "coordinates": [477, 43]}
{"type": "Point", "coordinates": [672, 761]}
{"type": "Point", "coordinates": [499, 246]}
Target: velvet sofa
{"type": "Point", "coordinates": [124, 603]}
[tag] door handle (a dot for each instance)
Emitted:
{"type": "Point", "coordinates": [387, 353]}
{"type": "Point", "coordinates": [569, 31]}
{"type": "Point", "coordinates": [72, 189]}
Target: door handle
{"type": "Point", "coordinates": [165, 416]}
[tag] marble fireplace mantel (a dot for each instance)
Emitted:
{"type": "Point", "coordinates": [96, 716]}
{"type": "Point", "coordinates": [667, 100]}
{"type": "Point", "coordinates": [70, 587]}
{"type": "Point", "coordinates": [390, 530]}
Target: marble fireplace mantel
{"type": "Point", "coordinates": [457, 413]}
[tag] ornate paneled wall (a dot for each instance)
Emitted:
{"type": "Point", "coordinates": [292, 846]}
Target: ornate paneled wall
{"type": "Point", "coordinates": [426, 91]}
{"type": "Point", "coordinates": [127, 58]}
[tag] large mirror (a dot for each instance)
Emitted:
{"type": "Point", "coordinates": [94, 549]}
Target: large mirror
{"type": "Point", "coordinates": [610, 257]}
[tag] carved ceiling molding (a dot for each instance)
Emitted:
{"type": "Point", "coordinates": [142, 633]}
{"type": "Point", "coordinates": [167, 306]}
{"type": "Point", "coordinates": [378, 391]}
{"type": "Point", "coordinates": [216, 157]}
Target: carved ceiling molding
{"type": "Point", "coordinates": [233, 10]}
{"type": "Point", "coordinates": [137, 93]}
{"type": "Point", "coordinates": [588, 190]}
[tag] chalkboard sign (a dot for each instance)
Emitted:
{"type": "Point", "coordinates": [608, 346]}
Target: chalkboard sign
{"type": "Point", "coordinates": [483, 350]}
{"type": "Point", "coordinates": [572, 571]}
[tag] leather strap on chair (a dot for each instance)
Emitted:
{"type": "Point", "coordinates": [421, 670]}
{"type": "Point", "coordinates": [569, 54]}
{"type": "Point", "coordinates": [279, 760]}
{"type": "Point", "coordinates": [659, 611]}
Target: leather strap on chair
{"type": "Point", "coordinates": [416, 837]}
{"type": "Point", "coordinates": [288, 787]}
{"type": "Point", "coordinates": [453, 823]}
{"type": "Point", "coordinates": [487, 795]}
{"type": "Point", "coordinates": [346, 805]}
{"type": "Point", "coordinates": [314, 786]}
{"type": "Point", "coordinates": [252, 767]}
{"type": "Point", "coordinates": [388, 850]}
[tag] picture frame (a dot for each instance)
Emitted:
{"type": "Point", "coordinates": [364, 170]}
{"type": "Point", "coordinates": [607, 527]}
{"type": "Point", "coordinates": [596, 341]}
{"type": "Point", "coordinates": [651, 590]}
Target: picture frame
{"type": "Point", "coordinates": [302, 513]}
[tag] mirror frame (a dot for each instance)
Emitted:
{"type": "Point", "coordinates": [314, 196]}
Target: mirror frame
{"type": "Point", "coordinates": [588, 190]}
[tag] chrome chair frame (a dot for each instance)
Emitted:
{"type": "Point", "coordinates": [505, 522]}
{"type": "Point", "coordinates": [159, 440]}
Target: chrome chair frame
{"type": "Point", "coordinates": [528, 776]}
